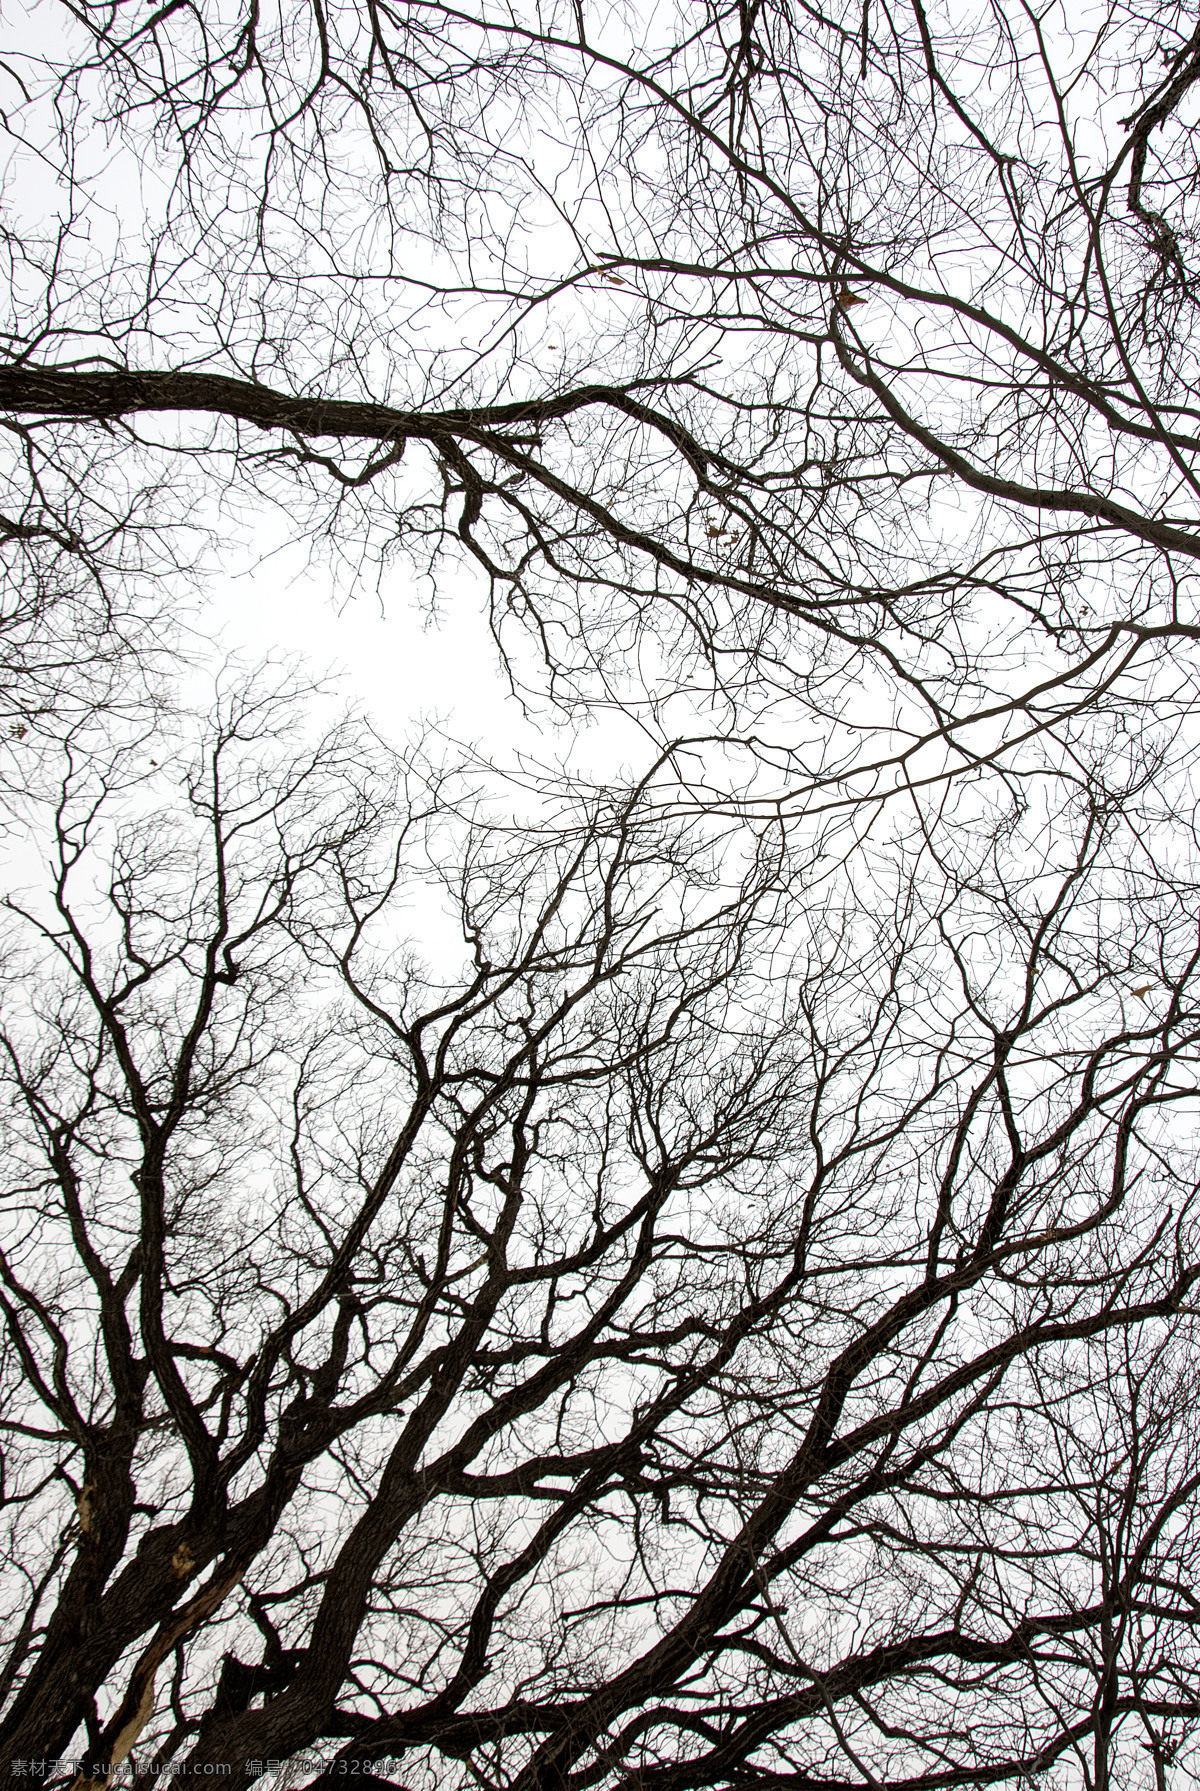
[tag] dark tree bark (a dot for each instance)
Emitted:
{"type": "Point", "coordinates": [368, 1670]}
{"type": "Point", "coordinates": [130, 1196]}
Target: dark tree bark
{"type": "Point", "coordinates": [923, 393]}
{"type": "Point", "coordinates": [728, 1319]}
{"type": "Point", "coordinates": [676, 1345]}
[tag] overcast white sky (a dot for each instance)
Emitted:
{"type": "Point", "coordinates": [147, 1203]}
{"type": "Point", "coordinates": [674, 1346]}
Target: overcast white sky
{"type": "Point", "coordinates": [397, 663]}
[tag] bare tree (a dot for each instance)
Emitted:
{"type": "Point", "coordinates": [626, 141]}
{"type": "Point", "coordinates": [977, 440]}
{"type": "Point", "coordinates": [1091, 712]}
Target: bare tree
{"type": "Point", "coordinates": [657, 1341]}
{"type": "Point", "coordinates": [1129, 1451]}
{"type": "Point", "coordinates": [720, 1312]}
{"type": "Point", "coordinates": [856, 340]}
